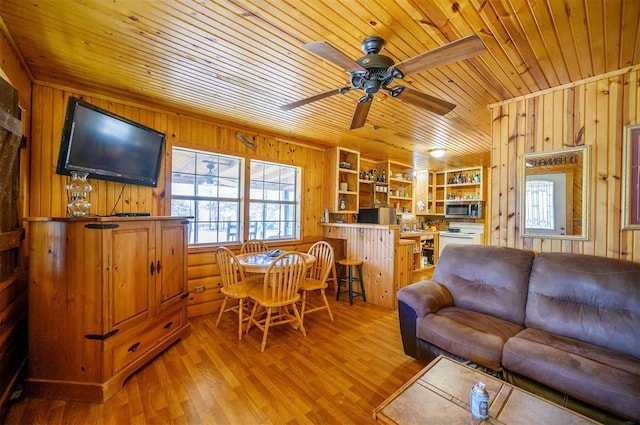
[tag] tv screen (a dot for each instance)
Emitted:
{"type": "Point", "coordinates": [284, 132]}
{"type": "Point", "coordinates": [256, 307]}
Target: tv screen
{"type": "Point", "coordinates": [109, 147]}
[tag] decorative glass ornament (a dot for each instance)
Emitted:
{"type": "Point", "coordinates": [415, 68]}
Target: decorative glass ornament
{"type": "Point", "coordinates": [78, 188]}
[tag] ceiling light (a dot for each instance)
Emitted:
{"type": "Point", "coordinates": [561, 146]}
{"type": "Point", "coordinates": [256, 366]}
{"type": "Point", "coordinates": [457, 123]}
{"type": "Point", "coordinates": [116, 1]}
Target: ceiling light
{"type": "Point", "coordinates": [437, 153]}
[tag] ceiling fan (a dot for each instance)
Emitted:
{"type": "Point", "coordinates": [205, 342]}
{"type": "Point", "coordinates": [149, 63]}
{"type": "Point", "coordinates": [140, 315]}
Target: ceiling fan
{"type": "Point", "coordinates": [209, 178]}
{"type": "Point", "coordinates": [374, 72]}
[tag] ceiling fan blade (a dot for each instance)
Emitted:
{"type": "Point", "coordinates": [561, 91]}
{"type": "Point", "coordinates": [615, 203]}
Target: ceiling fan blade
{"type": "Point", "coordinates": [319, 96]}
{"type": "Point", "coordinates": [330, 53]}
{"type": "Point", "coordinates": [361, 112]}
{"type": "Point", "coordinates": [463, 48]}
{"type": "Point", "coordinates": [422, 100]}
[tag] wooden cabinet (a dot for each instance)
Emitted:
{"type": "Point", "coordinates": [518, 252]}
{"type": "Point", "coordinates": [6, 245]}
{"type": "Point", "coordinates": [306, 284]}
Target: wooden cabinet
{"type": "Point", "coordinates": [463, 183]}
{"type": "Point", "coordinates": [106, 295]}
{"type": "Point", "coordinates": [424, 249]}
{"type": "Point", "coordinates": [373, 183]}
{"type": "Point", "coordinates": [343, 186]}
{"type": "Point", "coordinates": [400, 187]}
{"type": "Point", "coordinates": [424, 192]}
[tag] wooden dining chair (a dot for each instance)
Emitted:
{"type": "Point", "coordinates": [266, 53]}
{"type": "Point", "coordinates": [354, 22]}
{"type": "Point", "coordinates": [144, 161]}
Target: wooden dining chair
{"type": "Point", "coordinates": [253, 245]}
{"type": "Point", "coordinates": [316, 279]}
{"type": "Point", "coordinates": [277, 295]}
{"type": "Point", "coordinates": [234, 285]}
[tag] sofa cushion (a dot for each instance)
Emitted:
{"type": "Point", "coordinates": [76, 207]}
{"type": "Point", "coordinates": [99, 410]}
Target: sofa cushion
{"type": "Point", "coordinates": [471, 335]}
{"type": "Point", "coordinates": [596, 375]}
{"type": "Point", "coordinates": [592, 299]}
{"type": "Point", "coordinates": [487, 279]}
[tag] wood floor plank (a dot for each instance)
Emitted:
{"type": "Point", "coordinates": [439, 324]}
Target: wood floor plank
{"type": "Point", "coordinates": [338, 373]}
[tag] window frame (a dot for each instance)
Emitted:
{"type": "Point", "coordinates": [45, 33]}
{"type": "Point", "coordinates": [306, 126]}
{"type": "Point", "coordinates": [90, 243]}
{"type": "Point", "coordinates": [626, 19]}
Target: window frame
{"type": "Point", "coordinates": [296, 202]}
{"type": "Point", "coordinates": [244, 199]}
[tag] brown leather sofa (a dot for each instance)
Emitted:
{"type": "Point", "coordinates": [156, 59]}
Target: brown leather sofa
{"type": "Point", "coordinates": [564, 326]}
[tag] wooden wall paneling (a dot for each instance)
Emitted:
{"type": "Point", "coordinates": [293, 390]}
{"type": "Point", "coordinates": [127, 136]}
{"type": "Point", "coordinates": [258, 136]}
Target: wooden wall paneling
{"type": "Point", "coordinates": [50, 194]}
{"type": "Point", "coordinates": [532, 106]}
{"type": "Point", "coordinates": [591, 113]}
{"type": "Point", "coordinates": [517, 130]}
{"type": "Point", "coordinates": [614, 165]}
{"type": "Point", "coordinates": [493, 213]}
{"type": "Point", "coordinates": [48, 191]}
{"type": "Point", "coordinates": [590, 124]}
{"type": "Point", "coordinates": [631, 114]}
{"type": "Point", "coordinates": [559, 141]}
{"type": "Point", "coordinates": [504, 173]}
{"type": "Point", "coordinates": [599, 171]}
{"type": "Point", "coordinates": [577, 115]}
{"type": "Point", "coordinates": [377, 257]}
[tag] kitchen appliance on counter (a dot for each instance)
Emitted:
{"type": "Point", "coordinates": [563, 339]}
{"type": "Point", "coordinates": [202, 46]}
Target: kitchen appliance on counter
{"type": "Point", "coordinates": [377, 215]}
{"type": "Point", "coordinates": [462, 233]}
{"type": "Point", "coordinates": [463, 208]}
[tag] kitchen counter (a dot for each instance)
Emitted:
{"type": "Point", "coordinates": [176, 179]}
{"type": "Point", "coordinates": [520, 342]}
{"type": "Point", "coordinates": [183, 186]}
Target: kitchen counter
{"type": "Point", "coordinates": [414, 233]}
{"type": "Point", "coordinates": [363, 226]}
{"type": "Point", "coordinates": [387, 259]}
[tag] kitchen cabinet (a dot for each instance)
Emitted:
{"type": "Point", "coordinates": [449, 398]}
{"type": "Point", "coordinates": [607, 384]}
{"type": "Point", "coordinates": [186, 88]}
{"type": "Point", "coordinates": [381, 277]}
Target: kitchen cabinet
{"type": "Point", "coordinates": [423, 193]}
{"type": "Point", "coordinates": [463, 183]}
{"type": "Point", "coordinates": [106, 295]}
{"type": "Point", "coordinates": [400, 186]}
{"type": "Point", "coordinates": [373, 184]}
{"type": "Point", "coordinates": [343, 185]}
{"type": "Point", "coordinates": [425, 249]}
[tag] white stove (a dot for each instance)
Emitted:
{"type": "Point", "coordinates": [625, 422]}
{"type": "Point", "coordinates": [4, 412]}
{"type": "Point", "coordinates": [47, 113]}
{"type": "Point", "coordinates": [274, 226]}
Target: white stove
{"type": "Point", "coordinates": [462, 233]}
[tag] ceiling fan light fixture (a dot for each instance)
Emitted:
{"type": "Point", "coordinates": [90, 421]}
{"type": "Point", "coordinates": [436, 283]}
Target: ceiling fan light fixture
{"type": "Point", "coordinates": [437, 153]}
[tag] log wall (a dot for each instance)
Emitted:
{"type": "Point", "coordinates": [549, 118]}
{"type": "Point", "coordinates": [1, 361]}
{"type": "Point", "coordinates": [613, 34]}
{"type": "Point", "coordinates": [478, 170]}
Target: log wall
{"type": "Point", "coordinates": [592, 113]}
{"type": "Point", "coordinates": [48, 196]}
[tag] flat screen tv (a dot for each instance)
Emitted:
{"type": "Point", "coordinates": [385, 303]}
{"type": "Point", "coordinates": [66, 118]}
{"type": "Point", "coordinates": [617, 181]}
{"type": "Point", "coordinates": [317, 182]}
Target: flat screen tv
{"type": "Point", "coordinates": [109, 147]}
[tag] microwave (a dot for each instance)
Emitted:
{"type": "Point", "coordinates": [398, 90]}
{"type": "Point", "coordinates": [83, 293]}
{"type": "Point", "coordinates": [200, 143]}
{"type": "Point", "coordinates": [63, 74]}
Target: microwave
{"type": "Point", "coordinates": [463, 208]}
{"type": "Point", "coordinates": [377, 215]}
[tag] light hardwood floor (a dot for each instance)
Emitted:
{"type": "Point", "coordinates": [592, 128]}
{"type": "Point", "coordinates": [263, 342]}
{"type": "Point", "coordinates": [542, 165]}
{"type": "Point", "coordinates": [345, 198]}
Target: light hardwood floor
{"type": "Point", "coordinates": [336, 375]}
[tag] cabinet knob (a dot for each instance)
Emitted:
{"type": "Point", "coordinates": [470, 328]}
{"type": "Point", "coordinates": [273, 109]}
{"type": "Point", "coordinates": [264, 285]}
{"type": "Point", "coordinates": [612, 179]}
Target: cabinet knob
{"type": "Point", "coordinates": [158, 266]}
{"type": "Point", "coordinates": [168, 325]}
{"type": "Point", "coordinates": [134, 347]}
{"type": "Point", "coordinates": [152, 268]}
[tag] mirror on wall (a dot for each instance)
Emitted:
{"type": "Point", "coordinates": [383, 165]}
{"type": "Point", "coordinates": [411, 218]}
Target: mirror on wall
{"type": "Point", "coordinates": [554, 194]}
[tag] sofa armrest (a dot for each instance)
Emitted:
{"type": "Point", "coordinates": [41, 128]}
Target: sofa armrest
{"type": "Point", "coordinates": [425, 297]}
{"type": "Point", "coordinates": [418, 300]}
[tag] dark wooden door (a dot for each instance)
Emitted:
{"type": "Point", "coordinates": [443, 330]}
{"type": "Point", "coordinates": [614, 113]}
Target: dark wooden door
{"type": "Point", "coordinates": [13, 282]}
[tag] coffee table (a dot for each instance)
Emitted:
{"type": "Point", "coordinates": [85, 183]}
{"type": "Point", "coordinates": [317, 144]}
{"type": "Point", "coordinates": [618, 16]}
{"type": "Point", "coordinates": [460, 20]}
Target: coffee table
{"type": "Point", "coordinates": [439, 394]}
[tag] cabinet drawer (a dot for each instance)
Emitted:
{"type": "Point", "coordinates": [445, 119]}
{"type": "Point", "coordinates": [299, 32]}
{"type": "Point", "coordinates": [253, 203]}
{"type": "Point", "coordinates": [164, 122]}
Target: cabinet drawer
{"type": "Point", "coordinates": [141, 343]}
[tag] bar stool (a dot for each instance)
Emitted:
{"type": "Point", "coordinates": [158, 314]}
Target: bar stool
{"type": "Point", "coordinates": [347, 266]}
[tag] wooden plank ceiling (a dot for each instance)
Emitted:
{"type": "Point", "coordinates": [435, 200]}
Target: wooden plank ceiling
{"type": "Point", "coordinates": [238, 60]}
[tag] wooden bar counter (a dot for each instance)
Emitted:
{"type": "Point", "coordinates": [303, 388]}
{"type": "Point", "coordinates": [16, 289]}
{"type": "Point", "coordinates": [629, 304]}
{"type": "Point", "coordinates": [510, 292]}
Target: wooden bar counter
{"type": "Point", "coordinates": [387, 259]}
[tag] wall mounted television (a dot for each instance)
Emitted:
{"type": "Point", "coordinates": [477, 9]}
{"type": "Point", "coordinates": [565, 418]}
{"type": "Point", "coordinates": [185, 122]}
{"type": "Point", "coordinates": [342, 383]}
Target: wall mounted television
{"type": "Point", "coordinates": [109, 147]}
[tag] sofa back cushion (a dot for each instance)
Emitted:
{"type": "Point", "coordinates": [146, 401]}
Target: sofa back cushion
{"type": "Point", "coordinates": [487, 279]}
{"type": "Point", "coordinates": [592, 299]}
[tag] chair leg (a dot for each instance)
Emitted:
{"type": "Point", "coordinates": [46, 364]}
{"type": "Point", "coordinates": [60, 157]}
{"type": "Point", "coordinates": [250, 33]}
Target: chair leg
{"type": "Point", "coordinates": [304, 305]}
{"type": "Point", "coordinates": [326, 302]}
{"type": "Point", "coordinates": [364, 296]}
{"type": "Point", "coordinates": [301, 326]}
{"type": "Point", "coordinates": [350, 285]}
{"type": "Point", "coordinates": [266, 330]}
{"type": "Point", "coordinates": [340, 277]}
{"type": "Point", "coordinates": [253, 313]}
{"type": "Point", "coordinates": [240, 308]}
{"type": "Point", "coordinates": [224, 304]}
{"type": "Point", "coordinates": [334, 276]}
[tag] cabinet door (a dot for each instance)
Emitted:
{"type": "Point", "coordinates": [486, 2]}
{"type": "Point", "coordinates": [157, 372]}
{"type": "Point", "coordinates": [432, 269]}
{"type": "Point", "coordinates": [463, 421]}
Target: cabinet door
{"type": "Point", "coordinates": [133, 271]}
{"type": "Point", "coordinates": [172, 254]}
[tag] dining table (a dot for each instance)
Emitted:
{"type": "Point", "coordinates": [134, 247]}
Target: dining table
{"type": "Point", "coordinates": [259, 262]}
